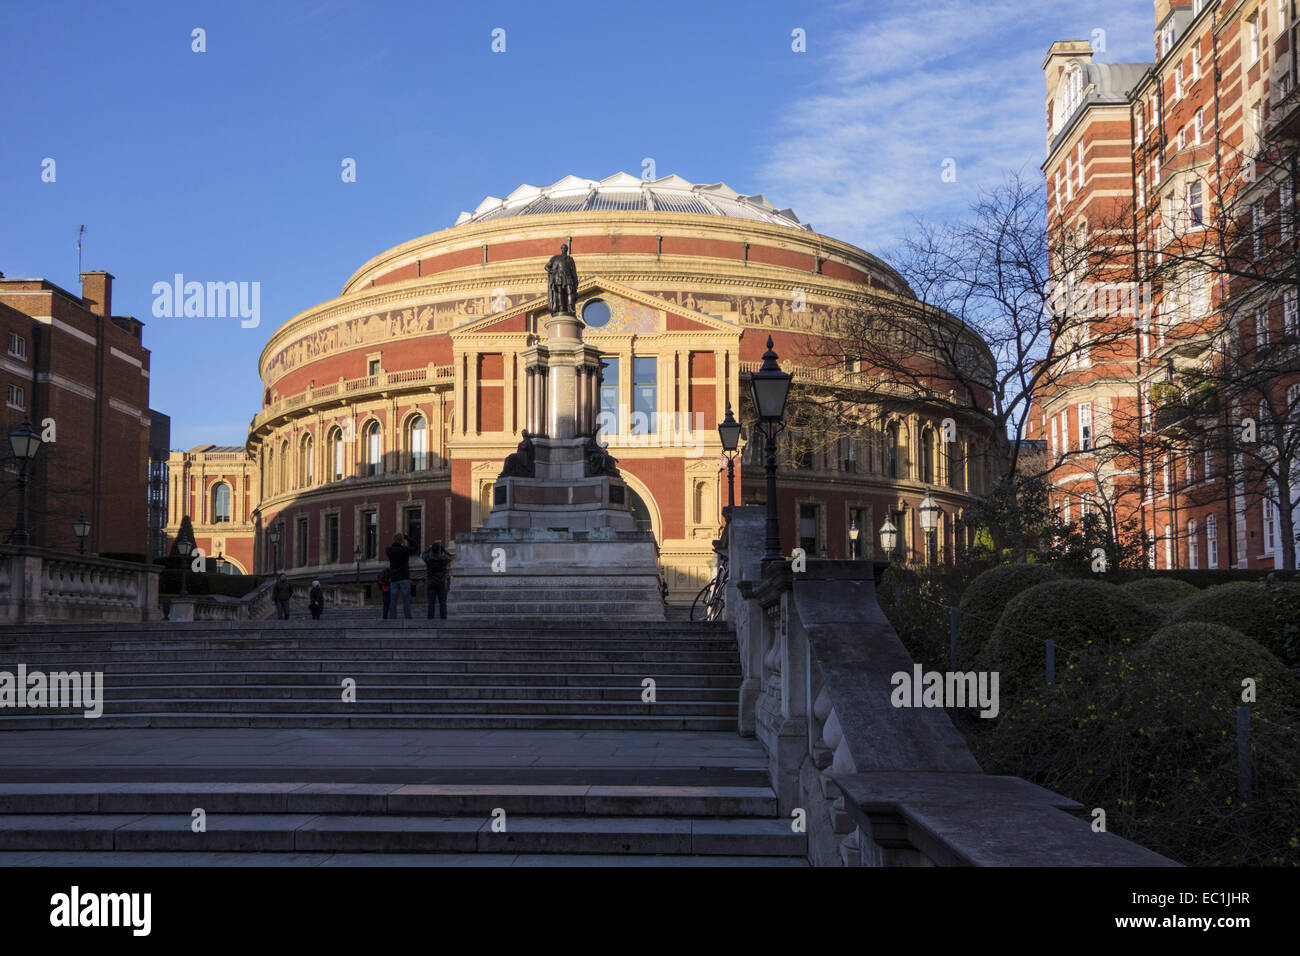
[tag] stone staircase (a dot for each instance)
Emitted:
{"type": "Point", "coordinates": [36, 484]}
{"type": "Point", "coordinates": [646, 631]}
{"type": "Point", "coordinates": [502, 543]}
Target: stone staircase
{"type": "Point", "coordinates": [225, 683]}
{"type": "Point", "coordinates": [408, 674]}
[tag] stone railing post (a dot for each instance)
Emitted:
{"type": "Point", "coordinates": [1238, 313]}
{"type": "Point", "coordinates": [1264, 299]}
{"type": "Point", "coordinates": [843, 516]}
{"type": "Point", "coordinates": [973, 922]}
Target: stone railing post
{"type": "Point", "coordinates": [745, 529]}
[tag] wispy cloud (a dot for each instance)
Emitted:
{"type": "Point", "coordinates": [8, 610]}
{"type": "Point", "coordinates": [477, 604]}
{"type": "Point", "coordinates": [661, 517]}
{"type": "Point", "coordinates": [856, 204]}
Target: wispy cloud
{"type": "Point", "coordinates": [913, 89]}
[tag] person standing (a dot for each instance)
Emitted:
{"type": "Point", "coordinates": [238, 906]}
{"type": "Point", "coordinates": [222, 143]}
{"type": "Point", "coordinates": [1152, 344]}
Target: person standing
{"type": "Point", "coordinates": [316, 601]}
{"type": "Point", "coordinates": [399, 572]}
{"type": "Point", "coordinates": [385, 591]}
{"type": "Point", "coordinates": [437, 563]}
{"type": "Point", "coordinates": [282, 594]}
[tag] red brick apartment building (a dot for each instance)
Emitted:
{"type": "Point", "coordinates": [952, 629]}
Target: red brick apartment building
{"type": "Point", "coordinates": [80, 375]}
{"type": "Point", "coordinates": [1179, 175]}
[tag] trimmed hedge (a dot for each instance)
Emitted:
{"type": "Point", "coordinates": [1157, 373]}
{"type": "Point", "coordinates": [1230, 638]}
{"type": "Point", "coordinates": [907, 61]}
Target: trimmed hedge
{"type": "Point", "coordinates": [1266, 614]}
{"type": "Point", "coordinates": [1089, 621]}
{"type": "Point", "coordinates": [230, 585]}
{"type": "Point", "coordinates": [131, 556]}
{"type": "Point", "coordinates": [984, 600]}
{"type": "Point", "coordinates": [1160, 590]}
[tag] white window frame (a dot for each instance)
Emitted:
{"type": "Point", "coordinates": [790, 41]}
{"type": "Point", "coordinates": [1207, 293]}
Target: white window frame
{"type": "Point", "coordinates": [1290, 312]}
{"type": "Point", "coordinates": [17, 346]}
{"type": "Point", "coordinates": [1078, 163]}
{"type": "Point", "coordinates": [1193, 547]}
{"type": "Point", "coordinates": [1086, 437]}
{"type": "Point", "coordinates": [16, 397]}
{"type": "Point", "coordinates": [1211, 541]}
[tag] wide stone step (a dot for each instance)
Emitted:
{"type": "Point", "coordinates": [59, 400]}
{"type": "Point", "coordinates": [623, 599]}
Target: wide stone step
{"type": "Point", "coordinates": [728, 682]}
{"type": "Point", "coordinates": [399, 799]}
{"type": "Point", "coordinates": [290, 832]}
{"type": "Point", "coordinates": [110, 858]}
{"type": "Point", "coordinates": [41, 720]}
{"type": "Point", "coordinates": [368, 643]}
{"type": "Point", "coordinates": [61, 659]}
{"type": "Point", "coordinates": [411, 666]}
{"type": "Point", "coordinates": [327, 690]}
{"type": "Point", "coordinates": [334, 706]}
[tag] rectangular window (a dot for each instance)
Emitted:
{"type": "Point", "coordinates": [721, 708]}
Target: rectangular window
{"type": "Point", "coordinates": [1252, 38]}
{"type": "Point", "coordinates": [17, 397]}
{"type": "Point", "coordinates": [1211, 542]}
{"type": "Point", "coordinates": [1256, 230]}
{"type": "Point", "coordinates": [1290, 312]}
{"type": "Point", "coordinates": [372, 367]}
{"type": "Point", "coordinates": [300, 543]}
{"type": "Point", "coordinates": [1270, 535]}
{"type": "Point", "coordinates": [1182, 137]}
{"type": "Point", "coordinates": [1261, 327]}
{"type": "Point", "coordinates": [413, 523]}
{"type": "Point", "coordinates": [1286, 208]}
{"type": "Point", "coordinates": [1193, 547]}
{"type": "Point", "coordinates": [645, 373]}
{"type": "Point", "coordinates": [1141, 192]}
{"type": "Point", "coordinates": [332, 539]}
{"type": "Point", "coordinates": [369, 535]}
{"type": "Point", "coordinates": [1065, 431]}
{"type": "Point", "coordinates": [1178, 82]}
{"type": "Point", "coordinates": [609, 396]}
{"type": "Point", "coordinates": [1196, 62]}
{"type": "Point", "coordinates": [17, 346]}
{"type": "Point", "coordinates": [1196, 203]}
{"type": "Point", "coordinates": [1200, 298]}
{"type": "Point", "coordinates": [1085, 426]}
{"type": "Point", "coordinates": [1209, 465]}
{"type": "Point", "coordinates": [1137, 126]}
{"type": "Point", "coordinates": [1200, 125]}
{"type": "Point", "coordinates": [808, 529]}
{"type": "Point", "coordinates": [1055, 442]}
{"type": "Point", "coordinates": [1078, 162]}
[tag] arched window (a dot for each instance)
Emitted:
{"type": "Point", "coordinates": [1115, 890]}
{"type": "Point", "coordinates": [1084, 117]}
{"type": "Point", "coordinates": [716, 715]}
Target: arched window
{"type": "Point", "coordinates": [306, 466]}
{"type": "Point", "coordinates": [956, 465]}
{"type": "Point", "coordinates": [1193, 545]}
{"type": "Point", "coordinates": [334, 451]}
{"type": "Point", "coordinates": [893, 450]}
{"type": "Point", "coordinates": [220, 502]}
{"type": "Point", "coordinates": [417, 443]}
{"type": "Point", "coordinates": [927, 456]}
{"type": "Point", "coordinates": [1211, 541]}
{"type": "Point", "coordinates": [373, 443]}
{"type": "Point", "coordinates": [284, 466]}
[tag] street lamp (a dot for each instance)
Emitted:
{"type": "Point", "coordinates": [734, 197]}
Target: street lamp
{"type": "Point", "coordinates": [24, 442]}
{"type": "Point", "coordinates": [853, 539]}
{"type": "Point", "coordinates": [81, 528]}
{"type": "Point", "coordinates": [888, 538]}
{"type": "Point", "coordinates": [771, 388]}
{"type": "Point", "coordinates": [929, 524]}
{"type": "Point", "coordinates": [274, 537]}
{"type": "Point", "coordinates": [183, 548]}
{"type": "Point", "coordinates": [221, 563]}
{"type": "Point", "coordinates": [729, 432]}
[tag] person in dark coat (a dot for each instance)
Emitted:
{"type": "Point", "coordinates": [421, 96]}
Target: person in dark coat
{"type": "Point", "coordinates": [385, 591]}
{"type": "Point", "coordinates": [282, 594]}
{"type": "Point", "coordinates": [399, 572]}
{"type": "Point", "coordinates": [316, 601]}
{"type": "Point", "coordinates": [437, 564]}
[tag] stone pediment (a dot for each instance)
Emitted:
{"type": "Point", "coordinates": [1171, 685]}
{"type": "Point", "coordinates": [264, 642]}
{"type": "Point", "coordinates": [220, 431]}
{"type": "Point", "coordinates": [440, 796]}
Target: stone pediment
{"type": "Point", "coordinates": [634, 313]}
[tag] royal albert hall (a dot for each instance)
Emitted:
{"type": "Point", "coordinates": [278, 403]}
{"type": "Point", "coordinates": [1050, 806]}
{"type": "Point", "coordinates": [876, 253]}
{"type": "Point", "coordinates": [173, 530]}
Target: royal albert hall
{"type": "Point", "coordinates": [392, 406]}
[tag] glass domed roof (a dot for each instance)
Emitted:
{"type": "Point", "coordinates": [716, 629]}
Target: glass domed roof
{"type": "Point", "coordinates": [626, 192]}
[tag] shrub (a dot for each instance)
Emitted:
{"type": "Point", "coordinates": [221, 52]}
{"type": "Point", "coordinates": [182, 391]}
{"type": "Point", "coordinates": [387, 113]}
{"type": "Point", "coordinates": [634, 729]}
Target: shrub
{"type": "Point", "coordinates": [1159, 590]}
{"type": "Point", "coordinates": [1264, 611]}
{"type": "Point", "coordinates": [1089, 621]}
{"type": "Point", "coordinates": [1151, 739]}
{"type": "Point", "coordinates": [230, 585]}
{"type": "Point", "coordinates": [984, 600]}
{"type": "Point", "coordinates": [132, 556]}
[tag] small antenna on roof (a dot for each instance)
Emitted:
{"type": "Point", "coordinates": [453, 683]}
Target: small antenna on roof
{"type": "Point", "coordinates": [81, 231]}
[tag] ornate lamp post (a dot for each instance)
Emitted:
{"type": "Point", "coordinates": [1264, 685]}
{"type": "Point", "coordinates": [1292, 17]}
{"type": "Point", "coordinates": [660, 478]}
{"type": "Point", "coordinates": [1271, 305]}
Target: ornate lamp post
{"type": "Point", "coordinates": [888, 538]}
{"type": "Point", "coordinates": [24, 442]}
{"type": "Point", "coordinates": [853, 540]}
{"type": "Point", "coordinates": [183, 547]}
{"type": "Point", "coordinates": [771, 388]}
{"type": "Point", "coordinates": [221, 563]}
{"type": "Point", "coordinates": [81, 528]}
{"type": "Point", "coordinates": [929, 524]}
{"type": "Point", "coordinates": [274, 537]}
{"type": "Point", "coordinates": [729, 432]}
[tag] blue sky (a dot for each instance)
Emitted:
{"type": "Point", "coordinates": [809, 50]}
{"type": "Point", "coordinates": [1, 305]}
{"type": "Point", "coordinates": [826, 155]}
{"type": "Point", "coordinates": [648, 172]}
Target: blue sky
{"type": "Point", "coordinates": [225, 165]}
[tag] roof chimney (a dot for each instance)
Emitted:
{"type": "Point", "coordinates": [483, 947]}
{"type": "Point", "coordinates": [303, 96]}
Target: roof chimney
{"type": "Point", "coordinates": [97, 292]}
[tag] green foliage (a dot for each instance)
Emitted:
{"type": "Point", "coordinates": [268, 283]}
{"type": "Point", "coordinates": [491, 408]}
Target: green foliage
{"type": "Point", "coordinates": [1265, 611]}
{"type": "Point", "coordinates": [1150, 738]}
{"type": "Point", "coordinates": [132, 556]}
{"type": "Point", "coordinates": [983, 601]}
{"type": "Point", "coordinates": [1159, 590]}
{"type": "Point", "coordinates": [1010, 518]}
{"type": "Point", "coordinates": [1088, 620]}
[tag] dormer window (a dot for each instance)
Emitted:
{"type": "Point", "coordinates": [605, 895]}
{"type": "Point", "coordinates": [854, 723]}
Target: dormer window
{"type": "Point", "coordinates": [1167, 40]}
{"type": "Point", "coordinates": [1069, 97]}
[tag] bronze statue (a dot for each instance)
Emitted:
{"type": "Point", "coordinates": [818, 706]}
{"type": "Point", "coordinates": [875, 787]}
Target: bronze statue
{"type": "Point", "coordinates": [561, 282]}
{"type": "Point", "coordinates": [596, 460]}
{"type": "Point", "coordinates": [521, 463]}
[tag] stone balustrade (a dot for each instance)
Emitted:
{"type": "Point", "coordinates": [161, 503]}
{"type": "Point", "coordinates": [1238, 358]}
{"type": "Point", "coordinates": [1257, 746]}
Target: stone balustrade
{"type": "Point", "coordinates": [353, 389]}
{"type": "Point", "coordinates": [879, 785]}
{"type": "Point", "coordinates": [38, 585]}
{"type": "Point", "coordinates": [256, 605]}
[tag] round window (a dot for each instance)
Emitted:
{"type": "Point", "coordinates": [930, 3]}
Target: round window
{"type": "Point", "coordinates": [596, 314]}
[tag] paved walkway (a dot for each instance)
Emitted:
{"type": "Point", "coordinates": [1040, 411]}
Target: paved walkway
{"type": "Point", "coordinates": [444, 756]}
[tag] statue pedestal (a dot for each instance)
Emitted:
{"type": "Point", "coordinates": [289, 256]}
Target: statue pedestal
{"type": "Point", "coordinates": [532, 574]}
{"type": "Point", "coordinates": [560, 496]}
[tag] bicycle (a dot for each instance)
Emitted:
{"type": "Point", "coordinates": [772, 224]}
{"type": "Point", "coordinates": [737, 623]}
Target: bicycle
{"type": "Point", "coordinates": [713, 594]}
